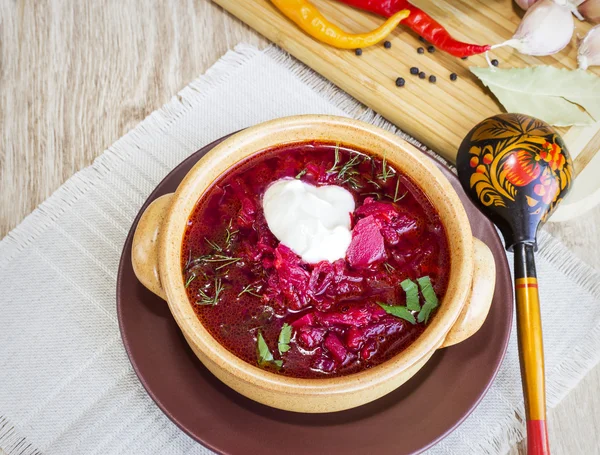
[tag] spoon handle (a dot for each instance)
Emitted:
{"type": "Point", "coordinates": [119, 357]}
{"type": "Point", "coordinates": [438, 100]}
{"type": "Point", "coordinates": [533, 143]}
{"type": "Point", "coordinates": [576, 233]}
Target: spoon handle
{"type": "Point", "coordinates": [531, 349]}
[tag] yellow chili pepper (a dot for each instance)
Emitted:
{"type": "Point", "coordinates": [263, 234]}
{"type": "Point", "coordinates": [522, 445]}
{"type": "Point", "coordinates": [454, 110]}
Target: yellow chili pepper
{"type": "Point", "coordinates": [309, 19]}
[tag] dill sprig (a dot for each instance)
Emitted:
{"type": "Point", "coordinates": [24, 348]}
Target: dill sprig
{"type": "Point", "coordinates": [386, 171]}
{"type": "Point", "coordinates": [352, 182]}
{"type": "Point", "coordinates": [336, 159]}
{"type": "Point", "coordinates": [251, 289]}
{"type": "Point", "coordinates": [374, 183]}
{"type": "Point", "coordinates": [191, 278]}
{"type": "Point", "coordinates": [218, 256]}
{"type": "Point", "coordinates": [300, 174]}
{"type": "Point", "coordinates": [229, 234]}
{"type": "Point", "coordinates": [375, 195]}
{"type": "Point", "coordinates": [188, 262]}
{"type": "Point", "coordinates": [397, 198]}
{"type": "Point", "coordinates": [213, 245]}
{"type": "Point", "coordinates": [389, 267]}
{"type": "Point", "coordinates": [208, 300]}
{"type": "Point", "coordinates": [347, 172]}
{"type": "Point", "coordinates": [222, 259]}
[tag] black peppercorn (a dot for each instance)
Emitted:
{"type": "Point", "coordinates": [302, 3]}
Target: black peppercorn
{"type": "Point", "coordinates": [358, 51]}
{"type": "Point", "coordinates": [453, 76]}
{"type": "Point", "coordinates": [414, 70]}
{"type": "Point", "coordinates": [421, 50]}
{"type": "Point", "coordinates": [495, 62]}
{"type": "Point", "coordinates": [432, 79]}
{"type": "Point", "coordinates": [387, 44]}
{"type": "Point", "coordinates": [421, 39]}
{"type": "Point", "coordinates": [422, 75]}
{"type": "Point", "coordinates": [464, 58]}
{"type": "Point", "coordinates": [400, 82]}
{"type": "Point", "coordinates": [430, 49]}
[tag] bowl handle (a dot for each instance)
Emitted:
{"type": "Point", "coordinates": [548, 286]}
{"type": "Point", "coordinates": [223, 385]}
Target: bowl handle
{"type": "Point", "coordinates": [144, 255]}
{"type": "Point", "coordinates": [477, 307]}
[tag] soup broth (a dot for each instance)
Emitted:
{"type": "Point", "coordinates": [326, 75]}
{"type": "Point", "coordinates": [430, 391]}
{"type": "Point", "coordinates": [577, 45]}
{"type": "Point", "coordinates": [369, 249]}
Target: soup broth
{"type": "Point", "coordinates": [267, 306]}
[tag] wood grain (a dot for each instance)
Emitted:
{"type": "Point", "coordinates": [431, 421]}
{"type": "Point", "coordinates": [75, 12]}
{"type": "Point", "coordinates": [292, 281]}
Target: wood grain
{"type": "Point", "coordinates": [76, 76]}
{"type": "Point", "coordinates": [439, 115]}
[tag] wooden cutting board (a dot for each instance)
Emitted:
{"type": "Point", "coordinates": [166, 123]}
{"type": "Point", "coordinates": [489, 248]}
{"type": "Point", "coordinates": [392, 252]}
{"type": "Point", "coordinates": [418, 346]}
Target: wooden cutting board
{"type": "Point", "coordinates": [439, 115]}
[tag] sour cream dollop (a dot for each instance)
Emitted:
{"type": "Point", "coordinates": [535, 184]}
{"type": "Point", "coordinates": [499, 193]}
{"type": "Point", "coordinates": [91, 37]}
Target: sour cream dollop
{"type": "Point", "coordinates": [314, 222]}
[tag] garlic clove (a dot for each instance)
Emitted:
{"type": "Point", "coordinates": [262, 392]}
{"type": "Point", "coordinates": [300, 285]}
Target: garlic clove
{"type": "Point", "coordinates": [546, 29]}
{"type": "Point", "coordinates": [591, 10]}
{"type": "Point", "coordinates": [525, 4]}
{"type": "Point", "coordinates": [572, 4]}
{"type": "Point", "coordinates": [589, 49]}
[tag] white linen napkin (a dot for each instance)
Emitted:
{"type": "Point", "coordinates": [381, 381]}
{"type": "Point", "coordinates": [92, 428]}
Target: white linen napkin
{"type": "Point", "coordinates": [66, 385]}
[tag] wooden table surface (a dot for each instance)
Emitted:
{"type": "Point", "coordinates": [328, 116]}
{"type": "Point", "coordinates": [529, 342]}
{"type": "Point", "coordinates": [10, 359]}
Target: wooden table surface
{"type": "Point", "coordinates": [76, 76]}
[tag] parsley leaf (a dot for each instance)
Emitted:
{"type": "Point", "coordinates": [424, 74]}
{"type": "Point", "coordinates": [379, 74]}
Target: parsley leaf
{"type": "Point", "coordinates": [431, 300]}
{"type": "Point", "coordinates": [398, 311]}
{"type": "Point", "coordinates": [283, 344]}
{"type": "Point", "coordinates": [264, 356]}
{"type": "Point", "coordinates": [426, 310]}
{"type": "Point", "coordinates": [412, 294]}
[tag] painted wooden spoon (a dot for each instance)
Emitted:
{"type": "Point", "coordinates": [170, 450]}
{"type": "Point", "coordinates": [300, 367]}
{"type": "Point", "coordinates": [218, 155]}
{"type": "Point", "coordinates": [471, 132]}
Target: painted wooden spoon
{"type": "Point", "coordinates": [517, 170]}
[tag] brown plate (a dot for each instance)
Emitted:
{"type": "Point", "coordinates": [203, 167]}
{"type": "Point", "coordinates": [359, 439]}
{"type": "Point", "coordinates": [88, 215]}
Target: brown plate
{"type": "Point", "coordinates": [415, 416]}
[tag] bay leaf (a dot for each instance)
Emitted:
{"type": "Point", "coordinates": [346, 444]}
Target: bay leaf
{"type": "Point", "coordinates": [558, 96]}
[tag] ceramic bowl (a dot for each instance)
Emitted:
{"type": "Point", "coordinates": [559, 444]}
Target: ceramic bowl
{"type": "Point", "coordinates": [156, 257]}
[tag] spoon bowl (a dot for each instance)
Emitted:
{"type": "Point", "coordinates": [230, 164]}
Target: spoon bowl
{"type": "Point", "coordinates": [517, 169]}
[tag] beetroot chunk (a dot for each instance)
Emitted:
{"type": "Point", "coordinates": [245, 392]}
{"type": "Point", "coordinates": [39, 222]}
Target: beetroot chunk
{"type": "Point", "coordinates": [357, 315]}
{"type": "Point", "coordinates": [247, 213]}
{"type": "Point", "coordinates": [310, 337]}
{"type": "Point", "coordinates": [323, 364]}
{"type": "Point", "coordinates": [248, 210]}
{"type": "Point", "coordinates": [406, 227]}
{"type": "Point", "coordinates": [368, 350]}
{"type": "Point", "coordinates": [336, 348]}
{"type": "Point", "coordinates": [358, 336]}
{"type": "Point", "coordinates": [321, 278]}
{"type": "Point", "coordinates": [367, 245]}
{"type": "Point", "coordinates": [307, 319]}
{"type": "Point", "coordinates": [384, 211]}
{"type": "Point", "coordinates": [287, 264]}
{"type": "Point", "coordinates": [290, 280]}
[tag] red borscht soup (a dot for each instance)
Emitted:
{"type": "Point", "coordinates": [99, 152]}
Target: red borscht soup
{"type": "Point", "coordinates": [272, 309]}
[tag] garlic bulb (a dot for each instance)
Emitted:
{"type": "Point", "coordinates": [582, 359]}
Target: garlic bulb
{"type": "Point", "coordinates": [591, 10]}
{"type": "Point", "coordinates": [573, 4]}
{"type": "Point", "coordinates": [525, 4]}
{"type": "Point", "coordinates": [589, 49]}
{"type": "Point", "coordinates": [546, 28]}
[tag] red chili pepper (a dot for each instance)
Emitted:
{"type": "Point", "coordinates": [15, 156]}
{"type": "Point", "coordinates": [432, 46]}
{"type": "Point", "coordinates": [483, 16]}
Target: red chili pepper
{"type": "Point", "coordinates": [423, 24]}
